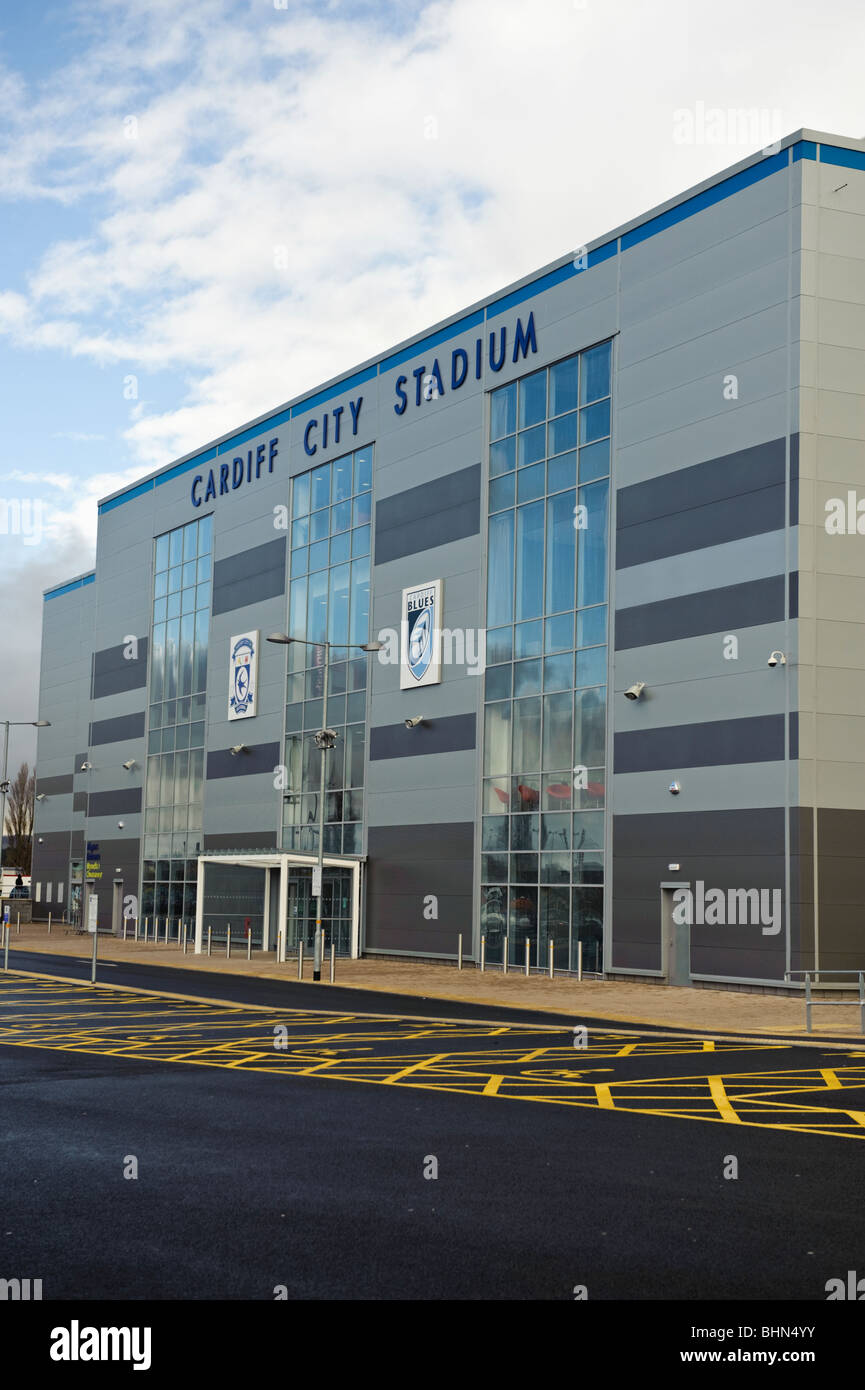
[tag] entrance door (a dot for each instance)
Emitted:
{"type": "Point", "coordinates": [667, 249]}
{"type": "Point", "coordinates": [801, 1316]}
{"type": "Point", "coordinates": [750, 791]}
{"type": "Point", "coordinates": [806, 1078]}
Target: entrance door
{"type": "Point", "coordinates": [675, 938]}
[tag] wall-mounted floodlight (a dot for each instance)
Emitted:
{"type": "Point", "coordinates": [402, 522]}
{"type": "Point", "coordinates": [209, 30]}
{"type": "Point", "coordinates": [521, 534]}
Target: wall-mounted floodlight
{"type": "Point", "coordinates": [674, 788]}
{"type": "Point", "coordinates": [85, 767]}
{"type": "Point", "coordinates": [40, 796]}
{"type": "Point", "coordinates": [238, 748]}
{"type": "Point", "coordinates": [634, 691]}
{"type": "Point", "coordinates": [121, 824]}
{"type": "Point", "coordinates": [129, 765]}
{"type": "Point", "coordinates": [776, 658]}
{"type": "Point", "coordinates": [413, 723]}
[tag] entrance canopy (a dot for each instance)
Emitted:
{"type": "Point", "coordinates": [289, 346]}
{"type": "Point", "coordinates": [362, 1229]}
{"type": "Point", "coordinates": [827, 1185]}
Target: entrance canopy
{"type": "Point", "coordinates": [268, 894]}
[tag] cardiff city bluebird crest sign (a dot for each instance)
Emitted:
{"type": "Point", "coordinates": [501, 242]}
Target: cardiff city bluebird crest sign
{"type": "Point", "coordinates": [242, 675]}
{"type": "Point", "coordinates": [421, 635]}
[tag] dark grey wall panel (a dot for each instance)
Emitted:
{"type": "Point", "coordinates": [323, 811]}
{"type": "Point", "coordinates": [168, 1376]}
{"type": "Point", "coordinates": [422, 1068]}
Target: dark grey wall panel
{"type": "Point", "coordinates": [125, 801]}
{"type": "Point", "coordinates": [113, 673]}
{"type": "Point", "coordinates": [54, 786]}
{"type": "Point", "coordinates": [408, 863]}
{"type": "Point", "coordinates": [759, 739]}
{"type": "Point", "coordinates": [732, 475]}
{"type": "Point", "coordinates": [123, 726]}
{"type": "Point", "coordinates": [51, 855]}
{"type": "Point", "coordinates": [696, 527]}
{"type": "Point", "coordinates": [434, 513]}
{"type": "Point", "coordinates": [120, 859]}
{"type": "Point", "coordinates": [79, 801]}
{"type": "Point", "coordinates": [259, 758]}
{"type": "Point", "coordinates": [690, 615]}
{"type": "Point", "coordinates": [453, 734]}
{"type": "Point", "coordinates": [256, 839]}
{"type": "Point", "coordinates": [249, 577]}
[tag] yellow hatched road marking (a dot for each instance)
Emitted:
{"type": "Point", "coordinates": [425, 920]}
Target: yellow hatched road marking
{"type": "Point", "coordinates": [418, 1066]}
{"type": "Point", "coordinates": [708, 1044]}
{"type": "Point", "coordinates": [604, 1097]}
{"type": "Point", "coordinates": [719, 1096]}
{"type": "Point", "coordinates": [492, 1085]}
{"type": "Point", "coordinates": [831, 1079]}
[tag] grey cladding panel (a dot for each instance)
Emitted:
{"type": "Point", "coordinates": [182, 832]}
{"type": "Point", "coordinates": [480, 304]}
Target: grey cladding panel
{"type": "Point", "coordinates": [249, 577]}
{"type": "Point", "coordinates": [407, 864]}
{"type": "Point", "coordinates": [435, 513]}
{"type": "Point", "coordinates": [124, 726]}
{"type": "Point", "coordinates": [258, 758]}
{"type": "Point", "coordinates": [113, 673]}
{"type": "Point", "coordinates": [54, 786]}
{"type": "Point", "coordinates": [125, 801]}
{"type": "Point", "coordinates": [256, 839]}
{"type": "Point", "coordinates": [722, 741]}
{"type": "Point", "coordinates": [454, 734]}
{"type": "Point", "coordinates": [714, 610]}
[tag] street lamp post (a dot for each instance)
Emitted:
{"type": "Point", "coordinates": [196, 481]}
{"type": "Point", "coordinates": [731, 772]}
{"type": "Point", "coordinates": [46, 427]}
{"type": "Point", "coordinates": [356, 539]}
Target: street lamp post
{"type": "Point", "coordinates": [4, 783]}
{"type": "Point", "coordinates": [324, 740]}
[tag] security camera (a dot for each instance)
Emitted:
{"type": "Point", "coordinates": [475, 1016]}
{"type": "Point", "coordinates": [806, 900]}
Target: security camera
{"type": "Point", "coordinates": [675, 788]}
{"type": "Point", "coordinates": [40, 796]}
{"type": "Point", "coordinates": [634, 691]}
{"type": "Point", "coordinates": [413, 723]}
{"type": "Point", "coordinates": [120, 824]}
{"type": "Point", "coordinates": [775, 657]}
{"type": "Point", "coordinates": [85, 767]}
{"type": "Point", "coordinates": [237, 748]}
{"type": "Point", "coordinates": [129, 765]}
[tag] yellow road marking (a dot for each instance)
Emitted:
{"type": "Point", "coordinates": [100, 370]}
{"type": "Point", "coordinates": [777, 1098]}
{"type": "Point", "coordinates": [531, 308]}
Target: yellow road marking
{"type": "Point", "coordinates": [605, 1099]}
{"type": "Point", "coordinates": [492, 1086]}
{"type": "Point", "coordinates": [830, 1078]}
{"type": "Point", "coordinates": [719, 1096]}
{"type": "Point", "coordinates": [417, 1066]}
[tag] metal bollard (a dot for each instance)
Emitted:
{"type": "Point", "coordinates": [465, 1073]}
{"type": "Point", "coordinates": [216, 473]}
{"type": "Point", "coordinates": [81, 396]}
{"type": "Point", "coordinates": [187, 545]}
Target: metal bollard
{"type": "Point", "coordinates": [460, 951]}
{"type": "Point", "coordinates": [93, 959]}
{"type": "Point", "coordinates": [300, 960]}
{"type": "Point", "coordinates": [228, 943]}
{"type": "Point", "coordinates": [505, 955]}
{"type": "Point", "coordinates": [807, 1002]}
{"type": "Point", "coordinates": [249, 944]}
{"type": "Point", "coordinates": [178, 931]}
{"type": "Point", "coordinates": [579, 960]}
{"type": "Point", "coordinates": [184, 938]}
{"type": "Point", "coordinates": [125, 920]}
{"type": "Point", "coordinates": [49, 923]}
{"type": "Point", "coordinates": [483, 953]}
{"type": "Point", "coordinates": [552, 947]}
{"type": "Point", "coordinates": [6, 947]}
{"type": "Point", "coordinates": [332, 961]}
{"type": "Point", "coordinates": [135, 937]}
{"type": "Point", "coordinates": [209, 942]}
{"type": "Point", "coordinates": [528, 955]}
{"type": "Point", "coordinates": [18, 923]}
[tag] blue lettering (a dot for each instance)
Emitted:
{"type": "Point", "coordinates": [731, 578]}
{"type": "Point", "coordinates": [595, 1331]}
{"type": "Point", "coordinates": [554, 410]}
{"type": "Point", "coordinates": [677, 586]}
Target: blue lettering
{"type": "Point", "coordinates": [497, 366]}
{"type": "Point", "coordinates": [436, 374]}
{"type": "Point", "coordinates": [418, 374]}
{"type": "Point", "coordinates": [223, 478]}
{"type": "Point", "coordinates": [236, 476]}
{"type": "Point", "coordinates": [524, 341]}
{"type": "Point", "coordinates": [273, 451]}
{"type": "Point", "coordinates": [456, 382]}
{"type": "Point", "coordinates": [259, 460]}
{"type": "Point", "coordinates": [479, 362]}
{"type": "Point", "coordinates": [354, 407]}
{"type": "Point", "coordinates": [211, 487]}
{"type": "Point", "coordinates": [400, 383]}
{"type": "Point", "coordinates": [336, 415]}
{"type": "Point", "coordinates": [311, 426]}
{"type": "Point", "coordinates": [196, 501]}
{"type": "Point", "coordinates": [249, 465]}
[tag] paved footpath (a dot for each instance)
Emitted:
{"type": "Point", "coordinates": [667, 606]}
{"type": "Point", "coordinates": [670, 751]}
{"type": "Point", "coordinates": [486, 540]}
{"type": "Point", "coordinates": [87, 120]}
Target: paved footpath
{"type": "Point", "coordinates": [703, 1010]}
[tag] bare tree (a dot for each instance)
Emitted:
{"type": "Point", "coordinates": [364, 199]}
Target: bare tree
{"type": "Point", "coordinates": [19, 818]}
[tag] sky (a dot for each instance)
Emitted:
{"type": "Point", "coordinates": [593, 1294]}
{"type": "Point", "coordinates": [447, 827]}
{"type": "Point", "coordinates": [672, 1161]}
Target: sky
{"type": "Point", "coordinates": [207, 209]}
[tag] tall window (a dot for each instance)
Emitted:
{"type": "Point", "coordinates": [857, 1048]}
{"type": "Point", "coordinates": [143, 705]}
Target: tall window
{"type": "Point", "coordinates": [543, 823]}
{"type": "Point", "coordinates": [175, 748]}
{"type": "Point", "coordinates": [330, 557]}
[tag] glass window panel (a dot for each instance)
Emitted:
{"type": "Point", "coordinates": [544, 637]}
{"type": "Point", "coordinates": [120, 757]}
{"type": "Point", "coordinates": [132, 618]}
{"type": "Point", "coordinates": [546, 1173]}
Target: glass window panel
{"type": "Point", "coordinates": [300, 561]}
{"type": "Point", "coordinates": [300, 532]}
{"type": "Point", "coordinates": [181, 782]}
{"type": "Point", "coordinates": [361, 510]}
{"type": "Point", "coordinates": [357, 672]}
{"type": "Point", "coordinates": [159, 610]}
{"type": "Point", "coordinates": [590, 710]}
{"type": "Point", "coordinates": [554, 916]}
{"type": "Point", "coordinates": [524, 868]}
{"type": "Point", "coordinates": [558, 713]}
{"type": "Point", "coordinates": [498, 683]}
{"type": "Point", "coordinates": [205, 535]}
{"type": "Point", "coordinates": [591, 796]}
{"type": "Point", "coordinates": [559, 671]}
{"type": "Point", "coordinates": [174, 579]}
{"type": "Point", "coordinates": [202, 596]}
{"type": "Point", "coordinates": [202, 572]}
{"type": "Point", "coordinates": [493, 906]}
{"type": "Point", "coordinates": [588, 924]}
{"type": "Point", "coordinates": [319, 555]}
{"type": "Point", "coordinates": [360, 541]}
{"type": "Point", "coordinates": [524, 830]}
{"type": "Point", "coordinates": [497, 739]}
{"type": "Point", "coordinates": [562, 472]}
{"type": "Point", "coordinates": [363, 469]}
{"type": "Point", "coordinates": [187, 600]}
{"type": "Point", "coordinates": [182, 711]}
{"type": "Point", "coordinates": [342, 478]}
{"type": "Point", "coordinates": [594, 422]}
{"type": "Point", "coordinates": [320, 487]}
{"type": "Point", "coordinates": [319, 526]}
{"type": "Point", "coordinates": [592, 577]}
{"type": "Point", "coordinates": [595, 461]}
{"type": "Point", "coordinates": [561, 552]}
{"type": "Point", "coordinates": [202, 633]}
{"type": "Point", "coordinates": [563, 386]}
{"type": "Point", "coordinates": [528, 639]}
{"type": "Point", "coordinates": [531, 445]}
{"type": "Point", "coordinates": [316, 611]}
{"type": "Point", "coordinates": [175, 546]}
{"type": "Point", "coordinates": [529, 560]}
{"type": "Point", "coordinates": [588, 867]}
{"type": "Point", "coordinates": [297, 614]}
{"type": "Point", "coordinates": [335, 765]}
{"type": "Point", "coordinates": [353, 805]}
{"type": "Point", "coordinates": [502, 492]}
{"type": "Point", "coordinates": [563, 433]}
{"type": "Point", "coordinates": [359, 628]}
{"type": "Point", "coordinates": [592, 626]}
{"type": "Point", "coordinates": [168, 736]}
{"type": "Point", "coordinates": [588, 830]}
{"type": "Point", "coordinates": [181, 733]}
{"type": "Point", "coordinates": [161, 555]}
{"type": "Point", "coordinates": [166, 785]}
{"type": "Point", "coordinates": [556, 867]}
{"type": "Point", "coordinates": [156, 716]}
{"type": "Point", "coordinates": [340, 517]}
{"type": "Point", "coordinates": [355, 737]}
{"type": "Point", "coordinates": [500, 569]}
{"type": "Point", "coordinates": [172, 644]}
{"type": "Point", "coordinates": [340, 547]}
{"type": "Point", "coordinates": [352, 840]}
{"type": "Point", "coordinates": [153, 779]}
{"type": "Point", "coordinates": [503, 411]}
{"type": "Point", "coordinates": [294, 687]}
{"type": "Point", "coordinates": [500, 645]}
{"type": "Point", "coordinates": [172, 605]}
{"type": "Point", "coordinates": [497, 797]}
{"type": "Point", "coordinates": [556, 830]}
{"type": "Point", "coordinates": [495, 833]}
{"type": "Point", "coordinates": [337, 613]}
{"type": "Point", "coordinates": [187, 573]}
{"type": "Point", "coordinates": [531, 483]}
{"type": "Point", "coordinates": [559, 633]}
{"type": "Point", "coordinates": [494, 868]}
{"type": "Point", "coordinates": [533, 398]}
{"type": "Point", "coordinates": [595, 369]}
{"type": "Point", "coordinates": [300, 495]}
{"type": "Point", "coordinates": [196, 734]}
{"type": "Point", "coordinates": [160, 585]}
{"type": "Point", "coordinates": [527, 678]}
{"type": "Point", "coordinates": [355, 704]}
{"type": "Point", "coordinates": [591, 666]}
{"type": "Point", "coordinates": [170, 713]}
{"type": "Point", "coordinates": [294, 718]}
{"type": "Point", "coordinates": [503, 456]}
{"type": "Point", "coordinates": [527, 735]}
{"type": "Point", "coordinates": [523, 915]}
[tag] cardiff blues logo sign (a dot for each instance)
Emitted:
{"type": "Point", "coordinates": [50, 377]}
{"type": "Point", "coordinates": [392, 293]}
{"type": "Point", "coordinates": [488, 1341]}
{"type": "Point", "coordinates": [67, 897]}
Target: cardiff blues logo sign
{"type": "Point", "coordinates": [242, 675]}
{"type": "Point", "coordinates": [421, 635]}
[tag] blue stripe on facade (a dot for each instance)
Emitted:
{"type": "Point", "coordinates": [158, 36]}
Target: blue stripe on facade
{"type": "Point", "coordinates": [186, 467]}
{"type": "Point", "coordinates": [67, 588]}
{"type": "Point", "coordinates": [803, 149]}
{"type": "Point", "coordinates": [444, 335]}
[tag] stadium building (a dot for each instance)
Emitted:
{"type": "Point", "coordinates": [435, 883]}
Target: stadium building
{"type": "Point", "coordinates": [605, 526]}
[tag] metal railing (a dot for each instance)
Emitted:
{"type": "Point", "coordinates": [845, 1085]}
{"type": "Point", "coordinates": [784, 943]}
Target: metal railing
{"type": "Point", "coordinates": [811, 1002]}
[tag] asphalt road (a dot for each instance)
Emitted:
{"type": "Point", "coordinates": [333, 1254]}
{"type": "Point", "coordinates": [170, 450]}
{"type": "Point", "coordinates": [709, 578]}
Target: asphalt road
{"type": "Point", "coordinates": [304, 1169]}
